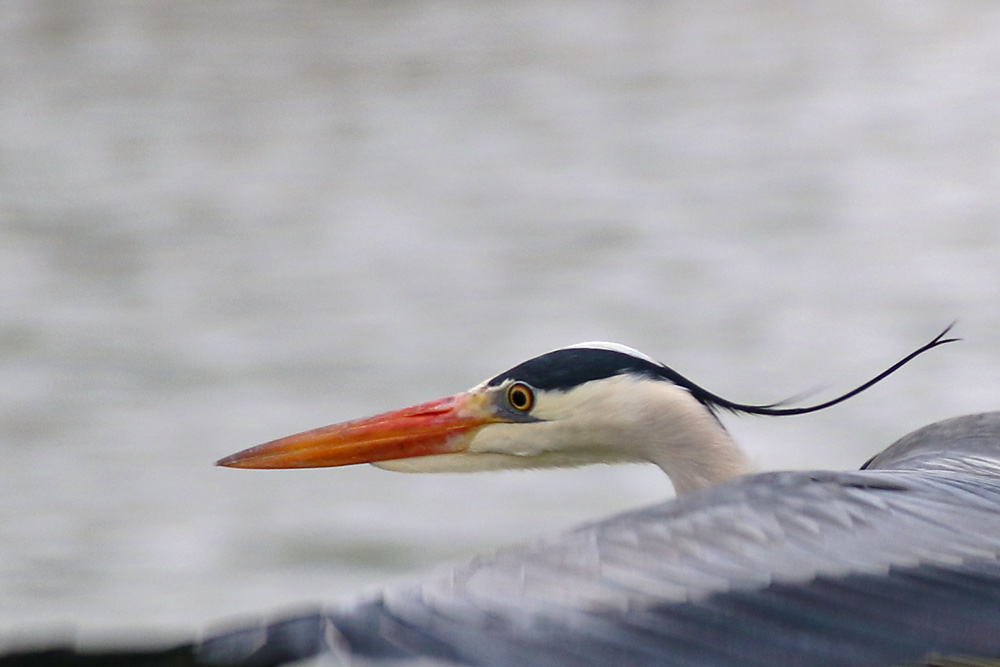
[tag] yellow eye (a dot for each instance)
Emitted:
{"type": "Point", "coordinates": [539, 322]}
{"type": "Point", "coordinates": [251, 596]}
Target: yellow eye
{"type": "Point", "coordinates": [520, 397]}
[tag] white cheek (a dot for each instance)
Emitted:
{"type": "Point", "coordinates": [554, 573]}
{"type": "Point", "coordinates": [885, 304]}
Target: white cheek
{"type": "Point", "coordinates": [559, 429]}
{"type": "Point", "coordinates": [515, 439]}
{"type": "Point", "coordinates": [619, 418]}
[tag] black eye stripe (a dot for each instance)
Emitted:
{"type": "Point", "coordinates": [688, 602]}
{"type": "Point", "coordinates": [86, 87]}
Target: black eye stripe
{"type": "Point", "coordinates": [569, 367]}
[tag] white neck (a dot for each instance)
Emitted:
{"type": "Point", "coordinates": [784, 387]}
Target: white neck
{"type": "Point", "coordinates": [662, 423]}
{"type": "Point", "coordinates": [699, 452]}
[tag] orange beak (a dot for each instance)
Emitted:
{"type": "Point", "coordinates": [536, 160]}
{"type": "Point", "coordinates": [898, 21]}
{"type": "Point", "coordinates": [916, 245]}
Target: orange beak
{"type": "Point", "coordinates": [443, 426]}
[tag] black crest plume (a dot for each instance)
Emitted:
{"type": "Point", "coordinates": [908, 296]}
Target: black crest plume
{"type": "Point", "coordinates": [775, 409]}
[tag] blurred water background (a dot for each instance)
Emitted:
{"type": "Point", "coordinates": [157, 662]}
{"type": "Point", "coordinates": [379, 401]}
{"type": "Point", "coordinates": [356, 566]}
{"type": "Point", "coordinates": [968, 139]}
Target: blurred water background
{"type": "Point", "coordinates": [224, 222]}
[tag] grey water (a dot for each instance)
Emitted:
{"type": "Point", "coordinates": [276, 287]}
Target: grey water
{"type": "Point", "coordinates": [225, 222]}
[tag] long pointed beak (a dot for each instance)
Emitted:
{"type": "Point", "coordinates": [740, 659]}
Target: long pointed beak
{"type": "Point", "coordinates": [437, 427]}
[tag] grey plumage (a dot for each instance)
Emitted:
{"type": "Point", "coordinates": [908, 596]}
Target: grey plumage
{"type": "Point", "coordinates": [894, 564]}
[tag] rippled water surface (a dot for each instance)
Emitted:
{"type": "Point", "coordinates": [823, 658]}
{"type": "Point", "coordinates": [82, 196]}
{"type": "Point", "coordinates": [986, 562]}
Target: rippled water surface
{"type": "Point", "coordinates": [224, 222]}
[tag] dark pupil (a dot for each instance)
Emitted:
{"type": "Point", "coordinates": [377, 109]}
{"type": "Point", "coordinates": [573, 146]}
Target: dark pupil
{"type": "Point", "coordinates": [519, 398]}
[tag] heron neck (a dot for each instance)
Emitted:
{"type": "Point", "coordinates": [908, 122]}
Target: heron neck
{"type": "Point", "coordinates": [726, 461]}
{"type": "Point", "coordinates": [693, 448]}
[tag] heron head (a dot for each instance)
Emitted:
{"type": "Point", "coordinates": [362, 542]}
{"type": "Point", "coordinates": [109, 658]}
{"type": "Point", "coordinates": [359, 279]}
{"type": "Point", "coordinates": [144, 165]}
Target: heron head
{"type": "Point", "coordinates": [587, 403]}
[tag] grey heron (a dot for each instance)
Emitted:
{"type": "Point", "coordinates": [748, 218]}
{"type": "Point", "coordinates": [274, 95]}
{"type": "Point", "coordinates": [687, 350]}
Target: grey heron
{"type": "Point", "coordinates": [897, 563]}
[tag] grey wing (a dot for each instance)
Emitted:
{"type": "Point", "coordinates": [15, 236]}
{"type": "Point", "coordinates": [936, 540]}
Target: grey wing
{"type": "Point", "coordinates": [868, 568]}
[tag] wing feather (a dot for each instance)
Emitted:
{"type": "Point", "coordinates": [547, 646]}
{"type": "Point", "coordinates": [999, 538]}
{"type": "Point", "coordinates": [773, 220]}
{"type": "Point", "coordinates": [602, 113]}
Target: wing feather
{"type": "Point", "coordinates": [815, 568]}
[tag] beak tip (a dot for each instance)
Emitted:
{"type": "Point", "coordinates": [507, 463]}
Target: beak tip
{"type": "Point", "coordinates": [231, 461]}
